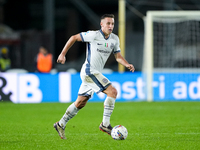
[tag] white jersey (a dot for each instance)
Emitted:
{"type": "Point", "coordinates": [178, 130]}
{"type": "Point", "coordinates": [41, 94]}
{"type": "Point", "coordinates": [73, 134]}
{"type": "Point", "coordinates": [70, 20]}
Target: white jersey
{"type": "Point", "coordinates": [98, 50]}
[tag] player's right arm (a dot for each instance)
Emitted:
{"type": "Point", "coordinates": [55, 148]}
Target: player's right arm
{"type": "Point", "coordinates": [61, 58]}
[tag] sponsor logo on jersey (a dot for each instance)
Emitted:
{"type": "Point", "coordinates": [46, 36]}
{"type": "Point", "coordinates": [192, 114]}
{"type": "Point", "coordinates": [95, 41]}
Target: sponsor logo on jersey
{"type": "Point", "coordinates": [103, 51]}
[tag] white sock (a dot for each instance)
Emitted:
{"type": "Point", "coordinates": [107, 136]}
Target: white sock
{"type": "Point", "coordinates": [69, 114]}
{"type": "Point", "coordinates": [108, 109]}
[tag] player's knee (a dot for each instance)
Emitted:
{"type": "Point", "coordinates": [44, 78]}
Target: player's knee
{"type": "Point", "coordinates": [111, 92]}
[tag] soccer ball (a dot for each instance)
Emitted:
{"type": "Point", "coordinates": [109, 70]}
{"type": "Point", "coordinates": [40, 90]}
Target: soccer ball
{"type": "Point", "coordinates": [119, 132]}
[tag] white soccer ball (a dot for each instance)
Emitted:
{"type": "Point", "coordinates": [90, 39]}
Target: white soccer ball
{"type": "Point", "coordinates": [119, 132]}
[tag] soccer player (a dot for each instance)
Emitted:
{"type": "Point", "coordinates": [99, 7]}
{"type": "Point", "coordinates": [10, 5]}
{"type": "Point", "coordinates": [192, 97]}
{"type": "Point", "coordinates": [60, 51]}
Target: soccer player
{"type": "Point", "coordinates": [100, 44]}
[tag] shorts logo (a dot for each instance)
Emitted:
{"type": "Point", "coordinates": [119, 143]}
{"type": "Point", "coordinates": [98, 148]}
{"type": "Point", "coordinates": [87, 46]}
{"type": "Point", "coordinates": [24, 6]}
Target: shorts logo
{"type": "Point", "coordinates": [105, 80]}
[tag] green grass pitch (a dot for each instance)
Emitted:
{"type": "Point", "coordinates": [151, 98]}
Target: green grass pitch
{"type": "Point", "coordinates": [151, 126]}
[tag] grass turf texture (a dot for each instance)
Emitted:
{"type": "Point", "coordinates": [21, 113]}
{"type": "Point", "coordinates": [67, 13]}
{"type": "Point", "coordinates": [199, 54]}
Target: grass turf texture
{"type": "Point", "coordinates": [156, 125]}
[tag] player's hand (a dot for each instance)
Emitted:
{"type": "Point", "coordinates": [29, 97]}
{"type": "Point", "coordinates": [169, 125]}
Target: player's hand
{"type": "Point", "coordinates": [131, 67]}
{"type": "Point", "coordinates": [61, 59]}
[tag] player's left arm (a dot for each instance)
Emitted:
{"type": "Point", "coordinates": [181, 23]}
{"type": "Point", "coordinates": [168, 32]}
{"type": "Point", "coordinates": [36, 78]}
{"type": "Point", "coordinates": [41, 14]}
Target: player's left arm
{"type": "Point", "coordinates": [120, 59]}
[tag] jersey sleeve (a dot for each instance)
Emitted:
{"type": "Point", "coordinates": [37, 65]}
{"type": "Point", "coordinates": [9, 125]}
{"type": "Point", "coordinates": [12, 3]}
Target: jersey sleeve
{"type": "Point", "coordinates": [116, 47]}
{"type": "Point", "coordinates": [88, 36]}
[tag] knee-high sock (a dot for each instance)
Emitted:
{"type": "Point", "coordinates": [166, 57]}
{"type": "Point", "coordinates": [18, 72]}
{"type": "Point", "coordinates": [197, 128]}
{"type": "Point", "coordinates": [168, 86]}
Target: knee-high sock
{"type": "Point", "coordinates": [69, 114]}
{"type": "Point", "coordinates": [109, 104]}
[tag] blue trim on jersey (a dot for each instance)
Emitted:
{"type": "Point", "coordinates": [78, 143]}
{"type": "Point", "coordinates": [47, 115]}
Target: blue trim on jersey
{"type": "Point", "coordinates": [104, 34]}
{"type": "Point", "coordinates": [81, 37]}
{"type": "Point", "coordinates": [114, 52]}
{"type": "Point", "coordinates": [87, 69]}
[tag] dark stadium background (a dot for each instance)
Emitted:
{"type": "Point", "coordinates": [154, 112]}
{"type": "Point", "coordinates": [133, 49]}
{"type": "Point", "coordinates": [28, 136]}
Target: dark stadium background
{"type": "Point", "coordinates": [37, 23]}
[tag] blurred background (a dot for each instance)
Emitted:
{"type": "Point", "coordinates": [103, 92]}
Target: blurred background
{"type": "Point", "coordinates": [27, 25]}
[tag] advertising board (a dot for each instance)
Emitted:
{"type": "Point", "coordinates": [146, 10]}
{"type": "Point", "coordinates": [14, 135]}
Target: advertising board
{"type": "Point", "coordinates": [63, 87]}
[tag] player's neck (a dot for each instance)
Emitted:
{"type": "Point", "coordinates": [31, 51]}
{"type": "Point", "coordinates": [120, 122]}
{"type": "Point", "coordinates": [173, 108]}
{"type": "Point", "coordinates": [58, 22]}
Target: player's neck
{"type": "Point", "coordinates": [106, 36]}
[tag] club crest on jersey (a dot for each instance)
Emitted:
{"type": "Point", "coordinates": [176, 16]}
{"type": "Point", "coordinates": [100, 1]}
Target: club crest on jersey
{"type": "Point", "coordinates": [112, 46]}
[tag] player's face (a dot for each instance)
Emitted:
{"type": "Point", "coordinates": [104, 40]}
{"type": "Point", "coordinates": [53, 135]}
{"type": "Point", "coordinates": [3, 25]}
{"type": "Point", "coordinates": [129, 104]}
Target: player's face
{"type": "Point", "coordinates": [107, 25]}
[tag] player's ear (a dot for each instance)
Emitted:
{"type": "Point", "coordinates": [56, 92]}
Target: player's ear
{"type": "Point", "coordinates": [101, 23]}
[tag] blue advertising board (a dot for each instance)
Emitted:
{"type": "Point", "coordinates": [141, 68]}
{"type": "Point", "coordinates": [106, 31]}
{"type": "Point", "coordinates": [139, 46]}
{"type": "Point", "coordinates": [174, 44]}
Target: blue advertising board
{"type": "Point", "coordinates": [63, 87]}
{"type": "Point", "coordinates": [176, 86]}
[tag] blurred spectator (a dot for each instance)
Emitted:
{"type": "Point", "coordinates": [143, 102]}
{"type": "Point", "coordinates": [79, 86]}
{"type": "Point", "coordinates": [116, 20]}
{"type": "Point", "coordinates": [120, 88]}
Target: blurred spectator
{"type": "Point", "coordinates": [44, 61]}
{"type": "Point", "coordinates": [5, 62]}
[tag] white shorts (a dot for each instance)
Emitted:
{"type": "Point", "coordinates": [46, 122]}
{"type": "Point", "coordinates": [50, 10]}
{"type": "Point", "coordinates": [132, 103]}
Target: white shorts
{"type": "Point", "coordinates": [93, 83]}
